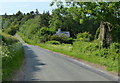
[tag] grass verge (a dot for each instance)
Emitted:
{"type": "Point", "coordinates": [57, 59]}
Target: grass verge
{"type": "Point", "coordinates": [12, 56]}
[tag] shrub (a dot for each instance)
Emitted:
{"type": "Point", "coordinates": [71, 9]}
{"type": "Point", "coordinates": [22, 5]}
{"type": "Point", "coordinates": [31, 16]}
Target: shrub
{"type": "Point", "coordinates": [115, 46]}
{"type": "Point", "coordinates": [10, 31]}
{"type": "Point", "coordinates": [62, 39]}
{"type": "Point", "coordinates": [44, 30]}
{"type": "Point", "coordinates": [12, 55]}
{"type": "Point", "coordinates": [12, 59]}
{"type": "Point", "coordinates": [104, 56]}
{"type": "Point", "coordinates": [13, 28]}
{"type": "Point", "coordinates": [53, 42]}
{"type": "Point", "coordinates": [8, 39]}
{"type": "Point", "coordinates": [55, 37]}
{"type": "Point", "coordinates": [44, 38]}
{"type": "Point", "coordinates": [84, 36]}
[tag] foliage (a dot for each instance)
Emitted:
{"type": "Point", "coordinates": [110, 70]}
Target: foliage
{"type": "Point", "coordinates": [12, 55]}
{"type": "Point", "coordinates": [115, 46]}
{"type": "Point", "coordinates": [53, 42]}
{"type": "Point", "coordinates": [115, 34]}
{"type": "Point", "coordinates": [84, 36]}
{"type": "Point", "coordinates": [37, 29]}
{"type": "Point", "coordinates": [8, 39]}
{"type": "Point", "coordinates": [82, 11]}
{"type": "Point", "coordinates": [69, 19]}
{"type": "Point", "coordinates": [100, 54]}
{"type": "Point", "coordinates": [103, 11]}
{"type": "Point", "coordinates": [62, 38]}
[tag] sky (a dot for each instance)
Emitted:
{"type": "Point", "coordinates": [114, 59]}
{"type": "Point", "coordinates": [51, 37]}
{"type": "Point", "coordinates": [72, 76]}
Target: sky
{"type": "Point", "coordinates": [25, 6]}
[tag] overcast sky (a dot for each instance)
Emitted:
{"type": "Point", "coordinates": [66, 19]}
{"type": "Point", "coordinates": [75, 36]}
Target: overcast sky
{"type": "Point", "coordinates": [25, 6]}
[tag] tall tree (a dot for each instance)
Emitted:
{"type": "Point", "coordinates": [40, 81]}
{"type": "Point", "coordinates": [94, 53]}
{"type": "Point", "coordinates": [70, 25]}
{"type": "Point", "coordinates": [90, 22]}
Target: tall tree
{"type": "Point", "coordinates": [71, 19]}
{"type": "Point", "coordinates": [37, 12]}
{"type": "Point", "coordinates": [19, 13]}
{"type": "Point", "coordinates": [32, 12]}
{"type": "Point", "coordinates": [5, 15]}
{"type": "Point", "coordinates": [106, 12]}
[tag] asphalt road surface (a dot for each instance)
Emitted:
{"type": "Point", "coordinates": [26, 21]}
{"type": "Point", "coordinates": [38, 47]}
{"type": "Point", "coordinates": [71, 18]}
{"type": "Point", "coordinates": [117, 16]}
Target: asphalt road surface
{"type": "Point", "coordinates": [44, 65]}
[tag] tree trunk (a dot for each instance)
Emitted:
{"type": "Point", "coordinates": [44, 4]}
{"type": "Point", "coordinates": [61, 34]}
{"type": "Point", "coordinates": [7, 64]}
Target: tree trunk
{"type": "Point", "coordinates": [105, 37]}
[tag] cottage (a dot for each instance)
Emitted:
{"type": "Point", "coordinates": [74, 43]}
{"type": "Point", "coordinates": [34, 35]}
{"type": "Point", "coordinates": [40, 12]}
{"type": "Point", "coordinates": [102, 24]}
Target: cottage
{"type": "Point", "coordinates": [66, 33]}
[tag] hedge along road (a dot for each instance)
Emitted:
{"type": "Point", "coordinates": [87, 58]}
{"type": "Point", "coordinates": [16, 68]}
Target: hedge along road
{"type": "Point", "coordinates": [44, 65]}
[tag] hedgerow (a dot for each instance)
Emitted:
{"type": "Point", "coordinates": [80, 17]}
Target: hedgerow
{"type": "Point", "coordinates": [12, 55]}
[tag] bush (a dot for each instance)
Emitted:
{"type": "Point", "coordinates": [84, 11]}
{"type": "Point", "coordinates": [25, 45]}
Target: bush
{"type": "Point", "coordinates": [55, 37]}
{"type": "Point", "coordinates": [53, 42]}
{"type": "Point", "coordinates": [12, 55]}
{"type": "Point", "coordinates": [115, 46]}
{"type": "Point", "coordinates": [8, 39]}
{"type": "Point", "coordinates": [82, 46]}
{"type": "Point", "coordinates": [91, 51]}
{"type": "Point", "coordinates": [12, 29]}
{"type": "Point", "coordinates": [84, 36]}
{"type": "Point", "coordinates": [12, 59]}
{"type": "Point", "coordinates": [44, 38]}
{"type": "Point", "coordinates": [62, 39]}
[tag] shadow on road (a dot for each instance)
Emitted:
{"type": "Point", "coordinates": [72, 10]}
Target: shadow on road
{"type": "Point", "coordinates": [33, 63]}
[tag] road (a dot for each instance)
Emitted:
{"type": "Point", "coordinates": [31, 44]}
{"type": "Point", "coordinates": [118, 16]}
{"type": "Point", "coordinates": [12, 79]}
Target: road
{"type": "Point", "coordinates": [45, 65]}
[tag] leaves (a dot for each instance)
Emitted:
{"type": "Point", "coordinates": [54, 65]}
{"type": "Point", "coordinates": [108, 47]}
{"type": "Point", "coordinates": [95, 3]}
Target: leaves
{"type": "Point", "coordinates": [81, 21]}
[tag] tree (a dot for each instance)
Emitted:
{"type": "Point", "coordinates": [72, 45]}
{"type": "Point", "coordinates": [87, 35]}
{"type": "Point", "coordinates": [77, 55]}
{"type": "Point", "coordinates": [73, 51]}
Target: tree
{"type": "Point", "coordinates": [71, 19]}
{"type": "Point", "coordinates": [32, 13]}
{"type": "Point", "coordinates": [19, 13]}
{"type": "Point", "coordinates": [106, 12]}
{"type": "Point", "coordinates": [37, 12]}
{"type": "Point", "coordinates": [5, 15]}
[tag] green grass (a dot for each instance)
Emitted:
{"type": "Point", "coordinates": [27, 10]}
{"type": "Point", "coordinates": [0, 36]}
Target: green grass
{"type": "Point", "coordinates": [12, 56]}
